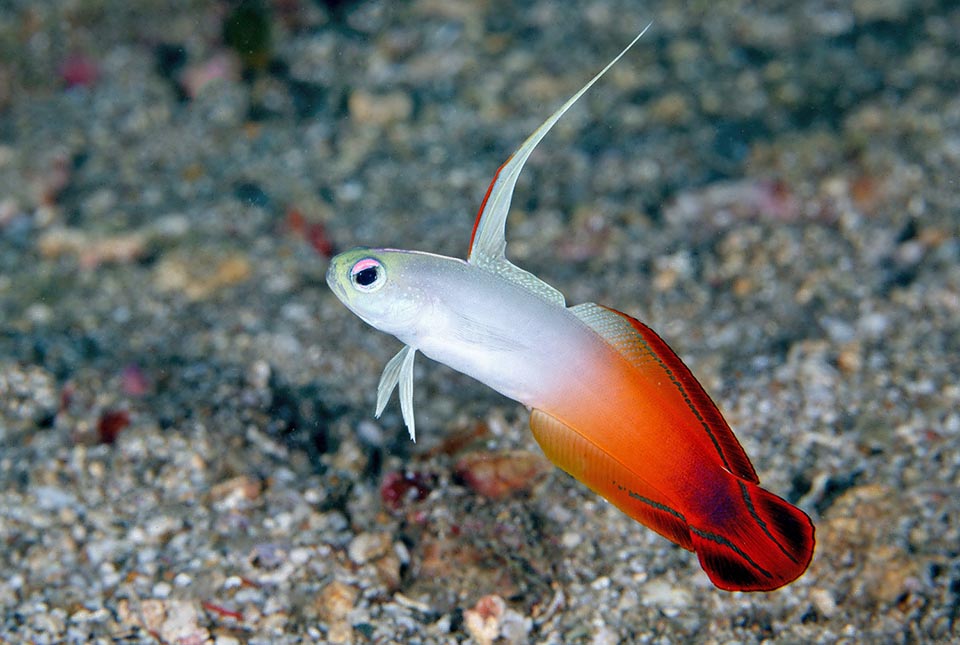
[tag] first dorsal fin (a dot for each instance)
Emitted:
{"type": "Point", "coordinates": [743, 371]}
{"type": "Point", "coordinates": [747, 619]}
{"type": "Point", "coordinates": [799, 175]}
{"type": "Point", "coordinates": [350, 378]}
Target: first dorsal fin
{"type": "Point", "coordinates": [488, 243]}
{"type": "Point", "coordinates": [647, 352]}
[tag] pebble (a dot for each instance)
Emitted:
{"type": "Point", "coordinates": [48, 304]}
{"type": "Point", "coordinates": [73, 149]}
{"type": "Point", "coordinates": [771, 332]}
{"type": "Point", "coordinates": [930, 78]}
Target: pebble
{"type": "Point", "coordinates": [824, 601]}
{"type": "Point", "coordinates": [50, 498]}
{"type": "Point", "coordinates": [500, 474]}
{"type": "Point", "coordinates": [669, 598]}
{"type": "Point", "coordinates": [226, 639]}
{"type": "Point", "coordinates": [174, 621]}
{"type": "Point", "coordinates": [484, 620]}
{"type": "Point", "coordinates": [380, 110]}
{"type": "Point", "coordinates": [719, 184]}
{"type": "Point", "coordinates": [571, 539]}
{"type": "Point", "coordinates": [162, 590]}
{"type": "Point", "coordinates": [672, 109]}
{"type": "Point", "coordinates": [92, 251]}
{"type": "Point", "coordinates": [335, 603]}
{"type": "Point", "coordinates": [877, 10]}
{"type": "Point", "coordinates": [200, 276]}
{"type": "Point", "coordinates": [367, 546]}
{"type": "Point", "coordinates": [235, 493]}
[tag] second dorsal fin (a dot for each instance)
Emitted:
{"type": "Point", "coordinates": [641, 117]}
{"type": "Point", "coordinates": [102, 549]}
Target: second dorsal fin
{"type": "Point", "coordinates": [647, 352]}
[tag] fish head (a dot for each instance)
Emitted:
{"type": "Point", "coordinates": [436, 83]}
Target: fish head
{"type": "Point", "coordinates": [380, 286]}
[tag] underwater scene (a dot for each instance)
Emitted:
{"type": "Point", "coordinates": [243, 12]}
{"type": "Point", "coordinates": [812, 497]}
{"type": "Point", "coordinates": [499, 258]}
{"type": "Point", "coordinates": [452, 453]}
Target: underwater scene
{"type": "Point", "coordinates": [476, 321]}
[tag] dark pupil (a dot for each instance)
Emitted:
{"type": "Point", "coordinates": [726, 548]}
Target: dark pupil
{"type": "Point", "coordinates": [366, 277]}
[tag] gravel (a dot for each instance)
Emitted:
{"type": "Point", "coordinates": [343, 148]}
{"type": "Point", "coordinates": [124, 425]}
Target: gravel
{"type": "Point", "coordinates": [187, 448]}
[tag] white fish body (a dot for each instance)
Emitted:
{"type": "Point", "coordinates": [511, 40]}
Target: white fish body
{"type": "Point", "coordinates": [474, 316]}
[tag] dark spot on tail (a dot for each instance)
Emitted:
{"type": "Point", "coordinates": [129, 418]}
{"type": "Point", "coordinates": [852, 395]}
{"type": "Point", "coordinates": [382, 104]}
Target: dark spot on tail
{"type": "Point", "coordinates": [730, 557]}
{"type": "Point", "coordinates": [786, 522]}
{"type": "Point", "coordinates": [727, 571]}
{"type": "Point", "coordinates": [760, 543]}
{"type": "Point", "coordinates": [791, 528]}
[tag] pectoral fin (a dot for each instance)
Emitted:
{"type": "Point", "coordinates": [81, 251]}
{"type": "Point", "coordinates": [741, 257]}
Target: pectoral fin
{"type": "Point", "coordinates": [399, 370]}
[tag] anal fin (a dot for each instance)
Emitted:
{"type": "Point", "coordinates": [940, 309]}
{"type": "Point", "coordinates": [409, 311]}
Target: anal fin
{"type": "Point", "coordinates": [746, 538]}
{"type": "Point", "coordinates": [608, 477]}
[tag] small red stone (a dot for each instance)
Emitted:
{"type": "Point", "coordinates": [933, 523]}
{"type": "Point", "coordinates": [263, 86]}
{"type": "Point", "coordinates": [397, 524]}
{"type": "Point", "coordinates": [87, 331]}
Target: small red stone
{"type": "Point", "coordinates": [221, 611]}
{"type": "Point", "coordinates": [111, 424]}
{"type": "Point", "coordinates": [134, 381]}
{"type": "Point", "coordinates": [79, 71]}
{"type": "Point", "coordinates": [315, 233]}
{"type": "Point", "coordinates": [501, 474]}
{"type": "Point", "coordinates": [401, 488]}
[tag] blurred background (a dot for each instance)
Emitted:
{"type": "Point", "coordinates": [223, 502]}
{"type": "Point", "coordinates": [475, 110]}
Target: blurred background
{"type": "Point", "coordinates": [188, 452]}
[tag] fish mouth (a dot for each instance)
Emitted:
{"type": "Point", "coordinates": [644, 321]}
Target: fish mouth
{"type": "Point", "coordinates": [338, 271]}
{"type": "Point", "coordinates": [333, 271]}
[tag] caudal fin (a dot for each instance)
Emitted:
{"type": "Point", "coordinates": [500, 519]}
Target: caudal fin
{"type": "Point", "coordinates": [765, 543]}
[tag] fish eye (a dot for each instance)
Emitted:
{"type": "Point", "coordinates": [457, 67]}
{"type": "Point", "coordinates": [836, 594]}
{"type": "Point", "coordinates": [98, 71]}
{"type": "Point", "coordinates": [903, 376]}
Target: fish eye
{"type": "Point", "coordinates": [367, 275]}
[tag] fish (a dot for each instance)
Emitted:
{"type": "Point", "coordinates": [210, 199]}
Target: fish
{"type": "Point", "coordinates": [610, 402]}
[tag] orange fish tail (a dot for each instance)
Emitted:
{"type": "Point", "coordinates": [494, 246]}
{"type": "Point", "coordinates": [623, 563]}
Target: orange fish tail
{"type": "Point", "coordinates": [760, 544]}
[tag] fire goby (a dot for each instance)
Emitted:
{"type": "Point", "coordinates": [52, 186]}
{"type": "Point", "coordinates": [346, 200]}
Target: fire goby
{"type": "Point", "coordinates": [610, 402]}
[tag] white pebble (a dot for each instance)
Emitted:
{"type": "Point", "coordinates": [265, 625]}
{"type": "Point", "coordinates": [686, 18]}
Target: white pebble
{"type": "Point", "coordinates": [571, 539]}
{"type": "Point", "coordinates": [162, 590]}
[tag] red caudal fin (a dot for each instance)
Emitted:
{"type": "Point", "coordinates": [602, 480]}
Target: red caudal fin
{"type": "Point", "coordinates": [760, 544]}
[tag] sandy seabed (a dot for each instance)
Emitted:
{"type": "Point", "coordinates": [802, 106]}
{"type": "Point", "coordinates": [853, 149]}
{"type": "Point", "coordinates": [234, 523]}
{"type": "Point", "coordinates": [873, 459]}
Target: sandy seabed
{"type": "Point", "coordinates": [188, 452]}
